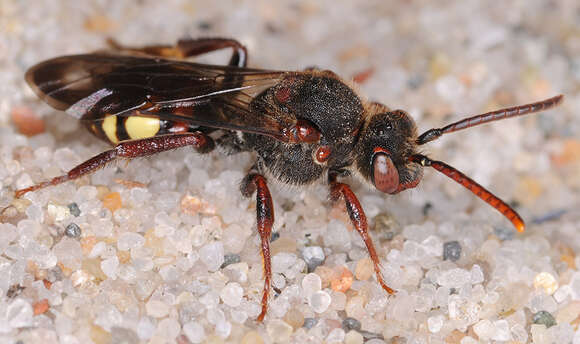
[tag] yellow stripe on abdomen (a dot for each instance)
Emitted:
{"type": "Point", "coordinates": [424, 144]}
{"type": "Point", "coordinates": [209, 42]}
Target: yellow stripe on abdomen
{"type": "Point", "coordinates": [110, 128]}
{"type": "Point", "coordinates": [139, 127]}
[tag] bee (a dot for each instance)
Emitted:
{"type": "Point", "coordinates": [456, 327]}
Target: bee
{"type": "Point", "coordinates": [303, 126]}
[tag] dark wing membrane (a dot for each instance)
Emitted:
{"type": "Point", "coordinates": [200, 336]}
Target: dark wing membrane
{"type": "Point", "coordinates": [92, 86]}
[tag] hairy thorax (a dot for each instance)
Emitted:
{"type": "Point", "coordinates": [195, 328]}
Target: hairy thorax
{"type": "Point", "coordinates": [325, 101]}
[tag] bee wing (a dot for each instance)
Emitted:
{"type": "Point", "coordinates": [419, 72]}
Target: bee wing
{"type": "Point", "coordinates": [90, 87]}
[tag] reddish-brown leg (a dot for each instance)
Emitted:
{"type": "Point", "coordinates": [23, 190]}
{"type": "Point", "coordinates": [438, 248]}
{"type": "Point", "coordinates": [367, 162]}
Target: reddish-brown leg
{"type": "Point", "coordinates": [128, 150]}
{"type": "Point", "coordinates": [359, 221]}
{"type": "Point", "coordinates": [255, 182]}
{"type": "Point", "coordinates": [191, 47]}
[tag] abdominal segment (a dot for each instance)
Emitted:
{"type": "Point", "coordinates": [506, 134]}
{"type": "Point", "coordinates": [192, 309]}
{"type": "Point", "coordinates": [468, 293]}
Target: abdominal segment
{"type": "Point", "coordinates": [115, 128]}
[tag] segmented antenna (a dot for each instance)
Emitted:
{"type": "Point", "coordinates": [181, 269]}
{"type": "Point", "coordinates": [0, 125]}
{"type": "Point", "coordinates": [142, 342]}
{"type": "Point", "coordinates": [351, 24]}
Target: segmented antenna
{"type": "Point", "coordinates": [475, 188]}
{"type": "Point", "coordinates": [497, 115]}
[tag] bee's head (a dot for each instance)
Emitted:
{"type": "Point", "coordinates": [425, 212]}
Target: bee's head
{"type": "Point", "coordinates": [385, 146]}
{"type": "Point", "coordinates": [386, 150]}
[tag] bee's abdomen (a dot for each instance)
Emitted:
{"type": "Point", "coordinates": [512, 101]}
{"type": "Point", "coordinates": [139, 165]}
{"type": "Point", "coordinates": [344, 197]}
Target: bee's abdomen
{"type": "Point", "coordinates": [115, 129]}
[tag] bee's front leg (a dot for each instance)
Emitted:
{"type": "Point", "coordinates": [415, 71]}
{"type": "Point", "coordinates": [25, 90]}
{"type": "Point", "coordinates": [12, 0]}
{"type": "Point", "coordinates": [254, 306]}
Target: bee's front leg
{"type": "Point", "coordinates": [359, 221]}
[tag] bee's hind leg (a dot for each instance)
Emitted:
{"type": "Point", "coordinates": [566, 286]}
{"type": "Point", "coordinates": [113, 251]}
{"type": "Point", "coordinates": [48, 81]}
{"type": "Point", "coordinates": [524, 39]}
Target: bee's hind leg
{"type": "Point", "coordinates": [186, 48]}
{"type": "Point", "coordinates": [128, 150]}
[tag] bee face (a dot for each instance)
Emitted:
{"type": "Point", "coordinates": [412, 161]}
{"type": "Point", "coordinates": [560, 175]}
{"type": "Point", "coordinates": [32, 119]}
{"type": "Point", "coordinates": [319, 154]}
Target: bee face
{"type": "Point", "coordinates": [383, 151]}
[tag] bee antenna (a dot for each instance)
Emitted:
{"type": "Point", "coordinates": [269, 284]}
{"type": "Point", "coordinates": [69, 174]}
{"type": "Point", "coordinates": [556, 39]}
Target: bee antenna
{"type": "Point", "coordinates": [433, 134]}
{"type": "Point", "coordinates": [474, 187]}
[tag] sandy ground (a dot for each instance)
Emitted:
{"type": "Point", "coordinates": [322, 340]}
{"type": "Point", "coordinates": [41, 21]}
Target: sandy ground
{"type": "Point", "coordinates": [146, 267]}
